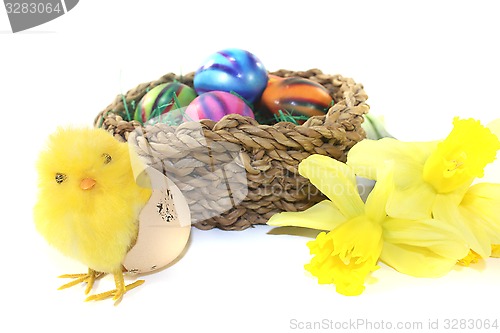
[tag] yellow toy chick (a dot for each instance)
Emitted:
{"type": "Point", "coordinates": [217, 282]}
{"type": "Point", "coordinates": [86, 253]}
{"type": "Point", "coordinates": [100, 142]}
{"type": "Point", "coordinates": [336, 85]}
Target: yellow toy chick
{"type": "Point", "coordinates": [88, 204]}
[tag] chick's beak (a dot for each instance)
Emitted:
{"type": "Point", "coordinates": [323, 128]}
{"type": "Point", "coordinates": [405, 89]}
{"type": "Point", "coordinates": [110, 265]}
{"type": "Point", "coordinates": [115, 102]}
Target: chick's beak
{"type": "Point", "coordinates": [87, 183]}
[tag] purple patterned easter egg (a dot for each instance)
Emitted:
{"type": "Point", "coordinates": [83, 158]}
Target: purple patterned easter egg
{"type": "Point", "coordinates": [215, 105]}
{"type": "Point", "coordinates": [232, 70]}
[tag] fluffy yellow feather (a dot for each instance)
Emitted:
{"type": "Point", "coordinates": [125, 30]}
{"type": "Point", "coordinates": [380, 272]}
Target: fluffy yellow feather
{"type": "Point", "coordinates": [88, 202]}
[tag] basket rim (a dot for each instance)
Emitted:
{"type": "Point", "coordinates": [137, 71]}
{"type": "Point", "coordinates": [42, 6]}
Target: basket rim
{"type": "Point", "coordinates": [351, 95]}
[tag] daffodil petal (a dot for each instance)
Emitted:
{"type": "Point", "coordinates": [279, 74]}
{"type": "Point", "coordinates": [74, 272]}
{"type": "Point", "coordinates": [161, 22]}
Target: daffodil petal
{"type": "Point", "coordinates": [375, 206]}
{"type": "Point", "coordinates": [322, 216]}
{"type": "Point", "coordinates": [415, 261]}
{"type": "Point", "coordinates": [412, 203]}
{"type": "Point", "coordinates": [335, 180]}
{"type": "Point", "coordinates": [434, 235]}
{"type": "Point", "coordinates": [481, 204]}
{"type": "Point", "coordinates": [447, 211]}
{"type": "Point", "coordinates": [367, 156]}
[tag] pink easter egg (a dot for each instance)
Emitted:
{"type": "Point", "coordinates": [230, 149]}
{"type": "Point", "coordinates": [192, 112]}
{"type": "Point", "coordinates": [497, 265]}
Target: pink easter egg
{"type": "Point", "coordinates": [215, 105]}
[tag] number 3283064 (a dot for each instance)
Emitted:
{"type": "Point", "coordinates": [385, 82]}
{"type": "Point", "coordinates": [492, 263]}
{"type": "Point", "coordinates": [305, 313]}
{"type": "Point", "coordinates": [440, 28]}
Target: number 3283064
{"type": "Point", "coordinates": [473, 324]}
{"type": "Point", "coordinates": [32, 8]}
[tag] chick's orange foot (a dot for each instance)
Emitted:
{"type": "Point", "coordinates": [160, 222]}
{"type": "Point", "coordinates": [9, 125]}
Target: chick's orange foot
{"type": "Point", "coordinates": [116, 294]}
{"type": "Point", "coordinates": [88, 278]}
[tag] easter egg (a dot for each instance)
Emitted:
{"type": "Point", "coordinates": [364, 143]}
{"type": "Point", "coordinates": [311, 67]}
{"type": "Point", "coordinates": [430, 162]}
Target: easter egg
{"type": "Point", "coordinates": [163, 98]}
{"type": "Point", "coordinates": [272, 79]}
{"type": "Point", "coordinates": [296, 97]}
{"type": "Point", "coordinates": [215, 105]}
{"type": "Point", "coordinates": [232, 70]}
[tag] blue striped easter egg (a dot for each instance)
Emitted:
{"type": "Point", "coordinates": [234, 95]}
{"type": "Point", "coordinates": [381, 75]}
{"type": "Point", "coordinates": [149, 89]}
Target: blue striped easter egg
{"type": "Point", "coordinates": [232, 70]}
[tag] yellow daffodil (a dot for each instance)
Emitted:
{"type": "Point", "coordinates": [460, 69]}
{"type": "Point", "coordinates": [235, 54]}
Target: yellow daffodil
{"type": "Point", "coordinates": [432, 179]}
{"type": "Point", "coordinates": [356, 234]}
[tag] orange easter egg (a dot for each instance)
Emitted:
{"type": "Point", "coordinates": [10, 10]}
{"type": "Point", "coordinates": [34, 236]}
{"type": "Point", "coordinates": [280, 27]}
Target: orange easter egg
{"type": "Point", "coordinates": [271, 78]}
{"type": "Point", "coordinates": [296, 97]}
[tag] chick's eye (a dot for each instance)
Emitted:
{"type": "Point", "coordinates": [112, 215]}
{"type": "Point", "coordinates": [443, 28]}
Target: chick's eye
{"type": "Point", "coordinates": [60, 177]}
{"type": "Point", "coordinates": [107, 158]}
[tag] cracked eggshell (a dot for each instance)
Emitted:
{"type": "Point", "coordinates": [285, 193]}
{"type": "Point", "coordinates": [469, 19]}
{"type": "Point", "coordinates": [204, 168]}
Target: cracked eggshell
{"type": "Point", "coordinates": [164, 227]}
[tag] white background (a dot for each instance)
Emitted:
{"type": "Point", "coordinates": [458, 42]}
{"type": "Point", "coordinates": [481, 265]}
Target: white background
{"type": "Point", "coordinates": [421, 63]}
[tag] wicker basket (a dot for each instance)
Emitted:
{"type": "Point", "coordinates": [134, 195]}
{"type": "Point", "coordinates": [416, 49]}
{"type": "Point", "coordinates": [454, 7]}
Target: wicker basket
{"type": "Point", "coordinates": [236, 172]}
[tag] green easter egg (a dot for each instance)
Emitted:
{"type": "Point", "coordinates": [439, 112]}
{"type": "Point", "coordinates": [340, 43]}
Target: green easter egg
{"type": "Point", "coordinates": [163, 98]}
